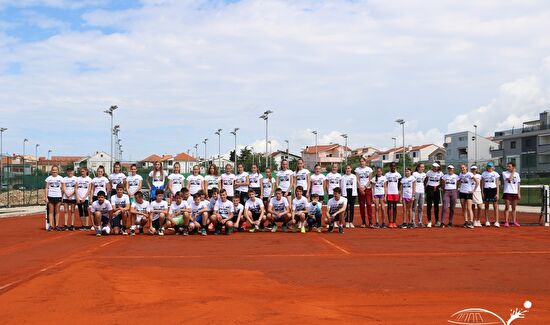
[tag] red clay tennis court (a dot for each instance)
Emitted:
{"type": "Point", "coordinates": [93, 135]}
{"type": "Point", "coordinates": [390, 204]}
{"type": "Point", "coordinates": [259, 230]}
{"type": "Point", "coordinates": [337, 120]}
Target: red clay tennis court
{"type": "Point", "coordinates": [389, 276]}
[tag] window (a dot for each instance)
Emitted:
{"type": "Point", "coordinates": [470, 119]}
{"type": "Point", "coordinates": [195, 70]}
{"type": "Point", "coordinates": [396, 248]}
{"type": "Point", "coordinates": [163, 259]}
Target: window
{"type": "Point", "coordinates": [398, 156]}
{"type": "Point", "coordinates": [463, 151]}
{"type": "Point", "coordinates": [384, 157]}
{"type": "Point", "coordinates": [461, 139]}
{"type": "Point", "coordinates": [415, 154]}
{"type": "Point", "coordinates": [512, 144]}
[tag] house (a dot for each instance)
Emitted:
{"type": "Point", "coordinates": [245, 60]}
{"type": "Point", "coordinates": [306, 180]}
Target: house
{"type": "Point", "coordinates": [92, 162]}
{"type": "Point", "coordinates": [166, 160]}
{"type": "Point", "coordinates": [18, 165]}
{"type": "Point", "coordinates": [364, 152]}
{"type": "Point", "coordinates": [279, 155]}
{"type": "Point", "coordinates": [45, 165]}
{"type": "Point", "coordinates": [528, 147]}
{"type": "Point", "coordinates": [464, 147]}
{"type": "Point", "coordinates": [419, 154]}
{"type": "Point", "coordinates": [324, 155]}
{"type": "Point", "coordinates": [186, 162]}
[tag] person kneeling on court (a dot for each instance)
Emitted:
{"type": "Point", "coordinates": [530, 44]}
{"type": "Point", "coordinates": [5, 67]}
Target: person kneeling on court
{"type": "Point", "coordinates": [278, 211]}
{"type": "Point", "coordinates": [314, 214]}
{"type": "Point", "coordinates": [223, 213]}
{"type": "Point", "coordinates": [254, 211]}
{"type": "Point", "coordinates": [299, 211]}
{"type": "Point", "coordinates": [102, 211]}
{"type": "Point", "coordinates": [140, 213]}
{"type": "Point", "coordinates": [336, 208]}
{"type": "Point", "coordinates": [199, 215]}
{"type": "Point", "coordinates": [179, 216]}
{"type": "Point", "coordinates": [121, 210]}
{"type": "Point", "coordinates": [159, 211]}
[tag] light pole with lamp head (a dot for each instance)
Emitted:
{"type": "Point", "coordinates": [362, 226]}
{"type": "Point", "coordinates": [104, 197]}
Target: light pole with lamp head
{"type": "Point", "coordinates": [265, 116]}
{"type": "Point", "coordinates": [1, 156]}
{"type": "Point", "coordinates": [402, 122]}
{"type": "Point", "coordinates": [287, 146]}
{"type": "Point", "coordinates": [205, 154]}
{"type": "Point", "coordinates": [110, 112]}
{"type": "Point", "coordinates": [23, 157]}
{"type": "Point", "coordinates": [475, 144]}
{"type": "Point", "coordinates": [316, 148]}
{"type": "Point", "coordinates": [219, 133]}
{"type": "Point", "coordinates": [234, 132]}
{"type": "Point", "coordinates": [394, 142]}
{"type": "Point", "coordinates": [345, 136]}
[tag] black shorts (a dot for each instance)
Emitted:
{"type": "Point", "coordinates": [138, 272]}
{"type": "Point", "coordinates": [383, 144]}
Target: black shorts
{"type": "Point", "coordinates": [465, 196]}
{"type": "Point", "coordinates": [490, 195]}
{"type": "Point", "coordinates": [280, 219]}
{"type": "Point", "coordinates": [115, 222]}
{"type": "Point", "coordinates": [68, 201]}
{"type": "Point", "coordinates": [54, 200]}
{"type": "Point", "coordinates": [104, 221]}
{"type": "Point", "coordinates": [287, 195]}
{"type": "Point", "coordinates": [156, 224]}
{"type": "Point", "coordinates": [255, 215]}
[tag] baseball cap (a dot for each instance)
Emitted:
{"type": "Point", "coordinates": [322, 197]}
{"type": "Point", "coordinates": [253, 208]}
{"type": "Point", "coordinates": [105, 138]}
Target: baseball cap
{"type": "Point", "coordinates": [450, 167]}
{"type": "Point", "coordinates": [490, 164]}
{"type": "Point", "coordinates": [436, 165]}
{"type": "Point", "coordinates": [473, 167]}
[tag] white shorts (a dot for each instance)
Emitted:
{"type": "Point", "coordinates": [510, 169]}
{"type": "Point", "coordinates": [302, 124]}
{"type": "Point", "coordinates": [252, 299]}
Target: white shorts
{"type": "Point", "coordinates": [139, 218]}
{"type": "Point", "coordinates": [477, 199]}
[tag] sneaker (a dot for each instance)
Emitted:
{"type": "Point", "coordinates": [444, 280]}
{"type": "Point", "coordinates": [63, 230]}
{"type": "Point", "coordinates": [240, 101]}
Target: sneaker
{"type": "Point", "coordinates": [347, 224]}
{"type": "Point", "coordinates": [50, 228]}
{"type": "Point", "coordinates": [330, 227]}
{"type": "Point", "coordinates": [465, 225]}
{"type": "Point", "coordinates": [340, 229]}
{"type": "Point", "coordinates": [284, 229]}
{"type": "Point", "coordinates": [294, 228]}
{"type": "Point", "coordinates": [364, 226]}
{"type": "Point", "coordinates": [412, 225]}
{"type": "Point", "coordinates": [470, 225]}
{"type": "Point", "coordinates": [217, 231]}
{"type": "Point", "coordinates": [404, 226]}
{"type": "Point", "coordinates": [57, 228]}
{"type": "Point", "coordinates": [185, 232]}
{"type": "Point", "coordinates": [252, 230]}
{"type": "Point", "coordinates": [376, 226]}
{"type": "Point", "coordinates": [319, 230]}
{"type": "Point", "coordinates": [98, 233]}
{"type": "Point", "coordinates": [65, 228]}
{"type": "Point", "coordinates": [124, 233]}
{"type": "Point", "coordinates": [351, 225]}
{"type": "Point", "coordinates": [421, 225]}
{"type": "Point", "coordinates": [497, 224]}
{"type": "Point", "coordinates": [441, 225]}
{"type": "Point", "coordinates": [92, 228]}
{"type": "Point", "coordinates": [516, 224]}
{"type": "Point", "coordinates": [203, 231]}
{"type": "Point", "coordinates": [450, 225]}
{"type": "Point", "coordinates": [161, 231]}
{"type": "Point", "coordinates": [274, 228]}
{"type": "Point", "coordinates": [71, 228]}
{"type": "Point", "coordinates": [429, 224]}
{"type": "Point", "coordinates": [384, 226]}
{"type": "Point", "coordinates": [487, 223]}
{"type": "Point", "coordinates": [438, 224]}
{"type": "Point", "coordinates": [506, 224]}
{"type": "Point", "coordinates": [303, 230]}
{"type": "Point", "coordinates": [132, 232]}
{"type": "Point", "coordinates": [227, 231]}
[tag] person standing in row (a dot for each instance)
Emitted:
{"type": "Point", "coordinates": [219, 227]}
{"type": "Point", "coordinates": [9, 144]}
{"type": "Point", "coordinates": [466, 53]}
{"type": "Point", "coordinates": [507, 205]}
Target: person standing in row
{"type": "Point", "coordinates": [83, 192]}
{"type": "Point", "coordinates": [433, 193]}
{"type": "Point", "coordinates": [175, 182]}
{"type": "Point", "coordinates": [449, 183]}
{"type": "Point", "coordinates": [69, 197]}
{"type": "Point", "coordinates": [392, 194]}
{"type": "Point", "coordinates": [418, 204]}
{"type": "Point", "coordinates": [53, 196]}
{"type": "Point", "coordinates": [379, 194]}
{"type": "Point", "coordinates": [348, 184]}
{"type": "Point", "coordinates": [100, 183]}
{"type": "Point", "coordinates": [116, 177]}
{"type": "Point", "coordinates": [477, 197]}
{"type": "Point", "coordinates": [267, 187]}
{"type": "Point", "coordinates": [284, 180]}
{"type": "Point", "coordinates": [490, 182]}
{"type": "Point", "coordinates": [333, 180]}
{"type": "Point", "coordinates": [467, 184]}
{"type": "Point", "coordinates": [408, 185]}
{"type": "Point", "coordinates": [512, 193]}
{"type": "Point", "coordinates": [255, 182]}
{"type": "Point", "coordinates": [211, 179]}
{"type": "Point", "coordinates": [155, 180]}
{"type": "Point", "coordinates": [302, 178]}
{"type": "Point", "coordinates": [133, 183]}
{"type": "Point", "coordinates": [227, 182]}
{"type": "Point", "coordinates": [363, 174]}
{"type": "Point", "coordinates": [195, 181]}
{"type": "Point", "coordinates": [318, 183]}
{"type": "Point", "coordinates": [242, 181]}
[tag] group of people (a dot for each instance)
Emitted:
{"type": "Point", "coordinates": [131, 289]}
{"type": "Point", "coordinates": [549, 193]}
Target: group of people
{"type": "Point", "coordinates": [253, 201]}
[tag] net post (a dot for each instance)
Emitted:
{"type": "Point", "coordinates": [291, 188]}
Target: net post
{"type": "Point", "coordinates": [547, 205]}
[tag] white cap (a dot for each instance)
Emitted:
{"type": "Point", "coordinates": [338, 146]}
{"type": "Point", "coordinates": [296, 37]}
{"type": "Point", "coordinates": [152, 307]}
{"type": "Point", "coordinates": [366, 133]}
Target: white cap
{"type": "Point", "coordinates": [450, 167]}
{"type": "Point", "coordinates": [435, 164]}
{"type": "Point", "coordinates": [473, 167]}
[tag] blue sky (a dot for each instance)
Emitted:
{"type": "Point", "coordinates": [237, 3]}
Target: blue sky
{"type": "Point", "coordinates": [179, 70]}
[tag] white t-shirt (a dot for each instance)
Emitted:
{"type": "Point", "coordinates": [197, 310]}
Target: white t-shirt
{"type": "Point", "coordinates": [158, 179]}
{"type": "Point", "coordinates": [284, 179]}
{"type": "Point", "coordinates": [196, 208]}
{"type": "Point", "coordinates": [103, 208]}
{"type": "Point", "coordinates": [54, 186]}
{"type": "Point", "coordinates": [348, 182]}
{"type": "Point", "coordinates": [212, 203]}
{"type": "Point", "coordinates": [301, 178]}
{"type": "Point", "coordinates": [100, 184]}
{"type": "Point", "coordinates": [378, 184]}
{"type": "Point", "coordinates": [334, 206]}
{"type": "Point", "coordinates": [333, 180]}
{"type": "Point", "coordinates": [143, 207]}
{"type": "Point", "coordinates": [227, 183]}
{"type": "Point", "coordinates": [419, 177]}
{"type": "Point", "coordinates": [317, 186]}
{"type": "Point", "coordinates": [450, 181]}
{"type": "Point", "coordinates": [407, 186]}
{"type": "Point", "coordinates": [116, 179]}
{"type": "Point", "coordinates": [70, 186]}
{"type": "Point", "coordinates": [224, 209]}
{"type": "Point", "coordinates": [278, 205]}
{"type": "Point", "coordinates": [478, 177]}
{"type": "Point", "coordinates": [255, 180]}
{"type": "Point", "coordinates": [363, 174]}
{"type": "Point", "coordinates": [83, 184]}
{"type": "Point", "coordinates": [255, 206]}
{"type": "Point", "coordinates": [299, 205]}
{"type": "Point", "coordinates": [510, 186]}
{"type": "Point", "coordinates": [120, 202]}
{"type": "Point", "coordinates": [157, 208]}
{"type": "Point", "coordinates": [195, 183]}
{"type": "Point", "coordinates": [434, 178]}
{"type": "Point", "coordinates": [177, 182]}
{"type": "Point", "coordinates": [238, 209]}
{"type": "Point", "coordinates": [467, 182]}
{"type": "Point", "coordinates": [312, 209]}
{"type": "Point", "coordinates": [490, 179]}
{"type": "Point", "coordinates": [393, 182]}
{"type": "Point", "coordinates": [241, 178]}
{"type": "Point", "coordinates": [178, 209]}
{"type": "Point", "coordinates": [267, 184]}
{"type": "Point", "coordinates": [211, 181]}
{"type": "Point", "coordinates": [133, 183]}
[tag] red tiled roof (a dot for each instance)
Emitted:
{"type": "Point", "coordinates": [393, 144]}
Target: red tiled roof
{"type": "Point", "coordinates": [66, 158]}
{"type": "Point", "coordinates": [184, 157]}
{"type": "Point", "coordinates": [415, 148]}
{"type": "Point", "coordinates": [152, 158]}
{"type": "Point", "coordinates": [321, 148]}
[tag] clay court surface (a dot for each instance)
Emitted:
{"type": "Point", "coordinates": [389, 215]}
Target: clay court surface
{"type": "Point", "coordinates": [390, 276]}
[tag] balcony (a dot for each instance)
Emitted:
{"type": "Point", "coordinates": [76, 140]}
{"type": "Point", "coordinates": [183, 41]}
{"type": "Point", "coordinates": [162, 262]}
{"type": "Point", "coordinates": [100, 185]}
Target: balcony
{"type": "Point", "coordinates": [497, 153]}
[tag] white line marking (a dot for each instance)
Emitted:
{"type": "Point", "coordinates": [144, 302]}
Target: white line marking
{"type": "Point", "coordinates": [335, 246]}
{"type": "Point", "coordinates": [107, 243]}
{"type": "Point", "coordinates": [7, 285]}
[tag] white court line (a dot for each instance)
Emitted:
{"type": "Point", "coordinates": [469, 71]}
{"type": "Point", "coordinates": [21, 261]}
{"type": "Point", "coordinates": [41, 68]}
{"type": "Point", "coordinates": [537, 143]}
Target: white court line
{"type": "Point", "coordinates": [335, 246]}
